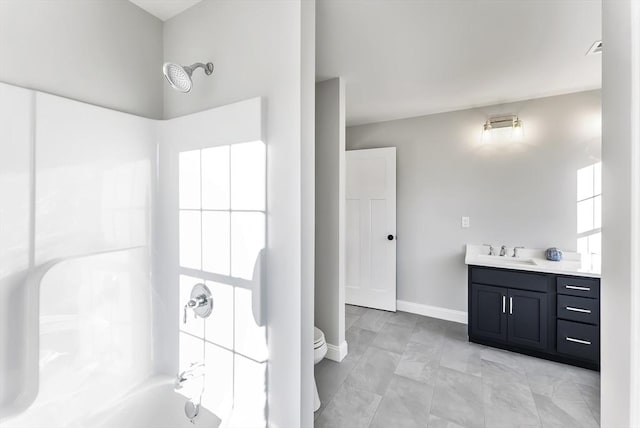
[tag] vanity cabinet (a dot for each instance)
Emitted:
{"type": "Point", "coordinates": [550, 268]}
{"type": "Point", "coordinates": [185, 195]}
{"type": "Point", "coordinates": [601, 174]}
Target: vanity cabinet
{"type": "Point", "coordinates": [540, 314]}
{"type": "Point", "coordinates": [578, 313]}
{"type": "Point", "coordinates": [488, 312]}
{"type": "Point", "coordinates": [507, 313]}
{"type": "Point", "coordinates": [527, 320]}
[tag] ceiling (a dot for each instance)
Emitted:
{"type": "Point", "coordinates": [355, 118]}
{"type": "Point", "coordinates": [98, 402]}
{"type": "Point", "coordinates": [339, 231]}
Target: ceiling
{"type": "Point", "coordinates": [165, 9]}
{"type": "Point", "coordinates": [405, 58]}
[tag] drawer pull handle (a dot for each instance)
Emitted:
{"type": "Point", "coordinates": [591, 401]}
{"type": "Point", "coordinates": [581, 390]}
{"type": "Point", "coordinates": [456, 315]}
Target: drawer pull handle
{"type": "Point", "coordinates": [577, 287]}
{"type": "Point", "coordinates": [580, 341]}
{"type": "Point", "coordinates": [583, 311]}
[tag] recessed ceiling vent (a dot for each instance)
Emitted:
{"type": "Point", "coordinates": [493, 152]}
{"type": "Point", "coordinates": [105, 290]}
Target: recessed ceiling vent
{"type": "Point", "coordinates": [596, 48]}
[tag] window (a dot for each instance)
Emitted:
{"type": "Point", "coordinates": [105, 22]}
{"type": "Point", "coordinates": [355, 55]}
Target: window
{"type": "Point", "coordinates": [222, 230]}
{"type": "Point", "coordinates": [222, 209]}
{"type": "Point", "coordinates": [589, 218]}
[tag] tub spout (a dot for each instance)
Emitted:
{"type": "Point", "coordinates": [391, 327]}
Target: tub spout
{"type": "Point", "coordinates": [194, 370]}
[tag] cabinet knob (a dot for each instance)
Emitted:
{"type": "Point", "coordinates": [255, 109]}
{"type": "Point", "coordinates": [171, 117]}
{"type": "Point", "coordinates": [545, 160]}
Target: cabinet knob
{"type": "Point", "coordinates": [390, 237]}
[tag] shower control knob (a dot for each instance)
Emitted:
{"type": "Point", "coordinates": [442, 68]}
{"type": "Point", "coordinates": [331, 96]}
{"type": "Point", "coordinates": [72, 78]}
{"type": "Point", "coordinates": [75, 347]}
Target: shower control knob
{"type": "Point", "coordinates": [201, 302]}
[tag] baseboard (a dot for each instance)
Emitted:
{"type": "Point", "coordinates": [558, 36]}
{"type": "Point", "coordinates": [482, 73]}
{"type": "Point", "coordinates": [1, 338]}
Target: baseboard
{"type": "Point", "coordinates": [337, 353]}
{"type": "Point", "coordinates": [432, 311]}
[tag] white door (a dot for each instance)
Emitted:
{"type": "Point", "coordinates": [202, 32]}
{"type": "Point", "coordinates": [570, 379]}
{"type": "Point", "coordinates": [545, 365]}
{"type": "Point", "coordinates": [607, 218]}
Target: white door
{"type": "Point", "coordinates": [371, 228]}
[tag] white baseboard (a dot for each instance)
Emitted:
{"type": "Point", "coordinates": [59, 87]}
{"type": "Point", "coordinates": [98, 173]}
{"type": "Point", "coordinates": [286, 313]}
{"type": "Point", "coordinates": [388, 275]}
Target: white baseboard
{"type": "Point", "coordinates": [337, 353]}
{"type": "Point", "coordinates": [432, 311]}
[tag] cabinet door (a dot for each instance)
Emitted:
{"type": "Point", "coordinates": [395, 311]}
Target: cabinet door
{"type": "Point", "coordinates": [488, 312]}
{"type": "Point", "coordinates": [527, 319]}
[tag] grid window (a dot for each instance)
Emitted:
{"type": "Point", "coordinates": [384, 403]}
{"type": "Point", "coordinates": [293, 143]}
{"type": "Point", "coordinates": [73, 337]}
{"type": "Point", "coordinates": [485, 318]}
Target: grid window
{"type": "Point", "coordinates": [589, 215]}
{"type": "Point", "coordinates": [222, 230]}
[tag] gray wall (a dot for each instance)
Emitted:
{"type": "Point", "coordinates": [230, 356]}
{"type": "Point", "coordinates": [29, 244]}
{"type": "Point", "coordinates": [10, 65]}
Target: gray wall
{"type": "Point", "coordinates": [330, 206]}
{"type": "Point", "coordinates": [520, 194]}
{"type": "Point", "coordinates": [261, 48]}
{"type": "Point", "coordinates": [103, 52]}
{"type": "Point", "coordinates": [620, 351]}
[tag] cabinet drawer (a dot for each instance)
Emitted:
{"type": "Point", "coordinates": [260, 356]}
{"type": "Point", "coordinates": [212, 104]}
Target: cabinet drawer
{"type": "Point", "coordinates": [579, 340]}
{"type": "Point", "coordinates": [581, 287]}
{"type": "Point", "coordinates": [505, 278]}
{"type": "Point", "coordinates": [579, 309]}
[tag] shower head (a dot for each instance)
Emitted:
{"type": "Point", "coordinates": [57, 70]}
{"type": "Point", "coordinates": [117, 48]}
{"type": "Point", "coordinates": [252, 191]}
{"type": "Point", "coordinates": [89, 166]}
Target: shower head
{"type": "Point", "coordinates": [179, 77]}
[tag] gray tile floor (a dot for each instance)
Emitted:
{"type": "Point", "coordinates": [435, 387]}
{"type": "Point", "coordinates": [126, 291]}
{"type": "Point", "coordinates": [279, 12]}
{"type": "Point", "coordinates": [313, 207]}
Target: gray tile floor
{"type": "Point", "coordinates": [406, 370]}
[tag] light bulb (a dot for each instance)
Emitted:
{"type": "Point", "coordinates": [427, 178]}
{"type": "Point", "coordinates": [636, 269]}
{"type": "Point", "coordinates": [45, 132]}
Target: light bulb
{"type": "Point", "coordinates": [486, 133]}
{"type": "Point", "coordinates": [518, 132]}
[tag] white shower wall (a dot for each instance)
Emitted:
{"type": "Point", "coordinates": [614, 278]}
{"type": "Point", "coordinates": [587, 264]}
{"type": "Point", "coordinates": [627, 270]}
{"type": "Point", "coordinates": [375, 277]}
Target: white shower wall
{"type": "Point", "coordinates": [76, 180]}
{"type": "Point", "coordinates": [211, 229]}
{"type": "Point", "coordinates": [82, 322]}
{"type": "Point", "coordinates": [16, 129]}
{"type": "Point", "coordinates": [94, 341]}
{"type": "Point", "coordinates": [93, 178]}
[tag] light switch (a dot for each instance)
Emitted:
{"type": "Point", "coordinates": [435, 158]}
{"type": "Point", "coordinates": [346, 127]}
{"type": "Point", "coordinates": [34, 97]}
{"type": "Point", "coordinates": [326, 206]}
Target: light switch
{"type": "Point", "coordinates": [465, 222]}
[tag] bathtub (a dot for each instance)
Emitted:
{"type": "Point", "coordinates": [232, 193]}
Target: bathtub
{"type": "Point", "coordinates": [154, 404]}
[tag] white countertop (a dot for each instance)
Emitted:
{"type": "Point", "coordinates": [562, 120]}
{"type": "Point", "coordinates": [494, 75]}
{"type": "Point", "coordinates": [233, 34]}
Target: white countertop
{"type": "Point", "coordinates": [529, 259]}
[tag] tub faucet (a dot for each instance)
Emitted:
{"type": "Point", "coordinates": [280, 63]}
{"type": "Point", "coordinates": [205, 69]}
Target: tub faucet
{"type": "Point", "coordinates": [194, 370]}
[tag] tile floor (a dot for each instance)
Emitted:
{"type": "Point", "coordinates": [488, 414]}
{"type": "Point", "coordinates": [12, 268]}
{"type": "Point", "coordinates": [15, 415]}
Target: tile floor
{"type": "Point", "coordinates": [405, 370]}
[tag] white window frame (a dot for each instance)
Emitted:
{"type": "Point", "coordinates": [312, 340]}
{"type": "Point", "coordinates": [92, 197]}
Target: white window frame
{"type": "Point", "coordinates": [588, 261]}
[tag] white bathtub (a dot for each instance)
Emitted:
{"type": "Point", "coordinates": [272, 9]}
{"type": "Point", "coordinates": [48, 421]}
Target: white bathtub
{"type": "Point", "coordinates": [154, 404]}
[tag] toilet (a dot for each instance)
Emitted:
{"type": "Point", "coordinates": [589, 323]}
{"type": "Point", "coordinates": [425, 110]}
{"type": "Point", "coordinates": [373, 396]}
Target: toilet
{"type": "Point", "coordinates": [319, 352]}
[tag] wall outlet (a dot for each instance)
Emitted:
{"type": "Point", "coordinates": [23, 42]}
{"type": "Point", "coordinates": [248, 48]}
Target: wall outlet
{"type": "Point", "coordinates": [466, 223]}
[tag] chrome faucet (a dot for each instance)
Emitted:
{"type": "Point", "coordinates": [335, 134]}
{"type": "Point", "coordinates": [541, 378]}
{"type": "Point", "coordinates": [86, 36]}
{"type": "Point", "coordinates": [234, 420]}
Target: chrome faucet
{"type": "Point", "coordinates": [194, 370]}
{"type": "Point", "coordinates": [201, 302]}
{"type": "Point", "coordinates": [198, 302]}
{"type": "Point", "coordinates": [515, 251]}
{"type": "Point", "coordinates": [192, 405]}
{"type": "Point", "coordinates": [492, 251]}
{"type": "Point", "coordinates": [503, 251]}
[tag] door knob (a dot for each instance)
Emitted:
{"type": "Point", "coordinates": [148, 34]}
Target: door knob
{"type": "Point", "coordinates": [390, 237]}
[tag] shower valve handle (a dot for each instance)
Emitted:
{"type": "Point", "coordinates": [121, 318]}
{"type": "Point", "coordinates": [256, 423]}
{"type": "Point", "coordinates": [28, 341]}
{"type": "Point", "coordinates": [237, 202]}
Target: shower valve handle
{"type": "Point", "coordinates": [192, 304]}
{"type": "Point", "coordinates": [184, 316]}
{"type": "Point", "coordinates": [201, 302]}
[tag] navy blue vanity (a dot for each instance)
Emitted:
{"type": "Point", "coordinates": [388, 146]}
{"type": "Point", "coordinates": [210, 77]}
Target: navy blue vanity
{"type": "Point", "coordinates": [547, 315]}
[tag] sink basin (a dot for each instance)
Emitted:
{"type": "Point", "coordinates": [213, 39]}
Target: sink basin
{"type": "Point", "coordinates": [506, 260]}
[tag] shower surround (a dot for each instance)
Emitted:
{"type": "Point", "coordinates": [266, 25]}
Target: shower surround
{"type": "Point", "coordinates": [91, 272]}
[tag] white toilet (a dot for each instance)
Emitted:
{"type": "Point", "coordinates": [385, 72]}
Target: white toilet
{"type": "Point", "coordinates": [319, 351]}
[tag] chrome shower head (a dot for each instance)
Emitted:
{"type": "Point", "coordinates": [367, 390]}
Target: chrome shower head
{"type": "Point", "coordinates": [179, 77]}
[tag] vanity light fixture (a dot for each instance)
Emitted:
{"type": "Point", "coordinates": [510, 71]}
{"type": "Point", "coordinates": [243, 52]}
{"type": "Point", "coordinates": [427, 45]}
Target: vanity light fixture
{"type": "Point", "coordinates": [509, 128]}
